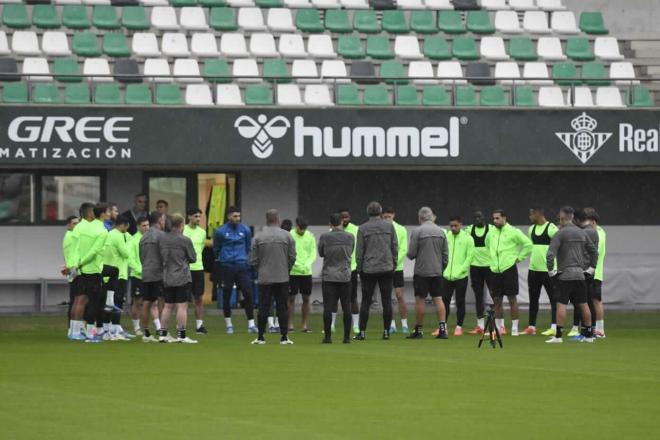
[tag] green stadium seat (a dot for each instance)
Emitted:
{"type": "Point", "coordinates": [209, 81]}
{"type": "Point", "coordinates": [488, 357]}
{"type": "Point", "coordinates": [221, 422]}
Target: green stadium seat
{"type": "Point", "coordinates": [135, 18]}
{"type": "Point", "coordinates": [75, 17]}
{"type": "Point", "coordinates": [309, 20]}
{"type": "Point", "coordinates": [436, 48]}
{"type": "Point", "coordinates": [376, 94]}
{"type": "Point", "coordinates": [85, 44]}
{"type": "Point", "coordinates": [350, 46]}
{"type": "Point", "coordinates": [223, 19]}
{"type": "Point", "coordinates": [479, 22]}
{"type": "Point", "coordinates": [347, 94]}
{"type": "Point", "coordinates": [465, 48]}
{"type": "Point", "coordinates": [525, 96]}
{"type": "Point", "coordinates": [269, 3]}
{"type": "Point", "coordinates": [379, 47]}
{"type": "Point", "coordinates": [641, 97]}
{"type": "Point", "coordinates": [64, 67]}
{"type": "Point", "coordinates": [138, 94]}
{"type": "Point", "coordinates": [435, 96]}
{"type": "Point", "coordinates": [579, 49]}
{"type": "Point", "coordinates": [116, 45]}
{"type": "Point", "coordinates": [522, 49]}
{"type": "Point", "coordinates": [336, 20]}
{"type": "Point", "coordinates": [258, 94]}
{"type": "Point", "coordinates": [394, 22]}
{"type": "Point", "coordinates": [276, 68]}
{"type": "Point", "coordinates": [595, 74]}
{"type": "Point", "coordinates": [107, 94]}
{"type": "Point", "coordinates": [15, 93]}
{"type": "Point", "coordinates": [212, 3]}
{"type": "Point", "coordinates": [451, 22]}
{"type": "Point", "coordinates": [406, 96]}
{"type": "Point", "coordinates": [15, 15]}
{"type": "Point", "coordinates": [46, 93]}
{"type": "Point", "coordinates": [565, 74]}
{"type": "Point", "coordinates": [494, 96]}
{"type": "Point", "coordinates": [423, 22]}
{"type": "Point", "coordinates": [76, 94]}
{"type": "Point", "coordinates": [466, 96]}
{"type": "Point", "coordinates": [216, 71]}
{"type": "Point", "coordinates": [168, 94]}
{"type": "Point", "coordinates": [366, 21]}
{"type": "Point", "coordinates": [105, 17]}
{"type": "Point", "coordinates": [183, 3]}
{"type": "Point", "coordinates": [593, 23]}
{"type": "Point", "coordinates": [392, 71]}
{"type": "Point", "coordinates": [45, 17]}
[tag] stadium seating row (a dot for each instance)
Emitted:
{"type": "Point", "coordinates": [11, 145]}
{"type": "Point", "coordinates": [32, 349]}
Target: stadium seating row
{"type": "Point", "coordinates": [322, 95]}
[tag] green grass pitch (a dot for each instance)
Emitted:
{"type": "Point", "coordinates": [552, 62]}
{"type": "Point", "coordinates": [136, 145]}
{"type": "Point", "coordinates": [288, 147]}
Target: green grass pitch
{"type": "Point", "coordinates": [225, 388]}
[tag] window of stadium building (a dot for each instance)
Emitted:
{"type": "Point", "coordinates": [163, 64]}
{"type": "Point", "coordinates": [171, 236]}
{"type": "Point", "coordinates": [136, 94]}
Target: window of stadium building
{"type": "Point", "coordinates": [61, 196]}
{"type": "Point", "coordinates": [171, 189]}
{"type": "Point", "coordinates": [16, 198]}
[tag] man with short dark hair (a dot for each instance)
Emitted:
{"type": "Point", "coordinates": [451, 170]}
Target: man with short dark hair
{"type": "Point", "coordinates": [508, 246]}
{"type": "Point", "coordinates": [231, 248]}
{"type": "Point", "coordinates": [69, 249]}
{"type": "Point", "coordinates": [597, 293]}
{"type": "Point", "coordinates": [336, 248]}
{"type": "Point", "coordinates": [355, 305]}
{"type": "Point", "coordinates": [376, 256]}
{"type": "Point", "coordinates": [480, 274]}
{"type": "Point", "coordinates": [138, 210]}
{"type": "Point", "coordinates": [112, 212]}
{"type": "Point", "coordinates": [115, 265]}
{"type": "Point", "coordinates": [177, 254]}
{"type": "Point", "coordinates": [162, 207]}
{"type": "Point", "coordinates": [300, 279]}
{"type": "Point", "coordinates": [574, 251]}
{"type": "Point", "coordinates": [197, 235]}
{"type": "Point", "coordinates": [428, 247]}
{"type": "Point", "coordinates": [398, 281]}
{"type": "Point", "coordinates": [272, 255]}
{"type": "Point", "coordinates": [152, 273]}
{"type": "Point", "coordinates": [460, 248]}
{"type": "Point", "coordinates": [135, 266]}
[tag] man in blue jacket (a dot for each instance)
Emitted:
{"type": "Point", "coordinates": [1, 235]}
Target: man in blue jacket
{"type": "Point", "coordinates": [231, 248]}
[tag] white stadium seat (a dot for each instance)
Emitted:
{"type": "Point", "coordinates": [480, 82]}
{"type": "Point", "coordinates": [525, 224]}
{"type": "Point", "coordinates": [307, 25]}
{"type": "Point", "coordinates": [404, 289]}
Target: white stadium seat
{"type": "Point", "coordinates": [298, 4]}
{"type": "Point", "coordinates": [241, 3]}
{"type": "Point", "coordinates": [492, 48]}
{"type": "Point", "coordinates": [68, 2]}
{"type": "Point", "coordinates": [97, 66]}
{"type": "Point", "coordinates": [320, 46]}
{"type": "Point", "coordinates": [204, 45]}
{"type": "Point", "coordinates": [37, 66]}
{"type": "Point", "coordinates": [174, 44]}
{"type": "Point", "coordinates": [193, 18]}
{"type": "Point", "coordinates": [623, 72]}
{"type": "Point", "coordinates": [326, 4]}
{"type": "Point", "coordinates": [164, 18]}
{"type": "Point", "coordinates": [407, 47]}
{"type": "Point", "coordinates": [583, 97]}
{"type": "Point", "coordinates": [263, 45]}
{"type": "Point", "coordinates": [96, 2]}
{"type": "Point", "coordinates": [318, 95]}
{"type": "Point", "coordinates": [551, 97]}
{"type": "Point", "coordinates": [288, 94]}
{"type": "Point", "coordinates": [410, 4]}
{"type": "Point", "coordinates": [228, 94]}
{"type": "Point", "coordinates": [494, 5]}
{"type": "Point", "coordinates": [186, 70]}
{"type": "Point", "coordinates": [449, 70]}
{"type": "Point", "coordinates": [25, 43]}
{"type": "Point", "coordinates": [507, 22]}
{"type": "Point", "coordinates": [439, 5]}
{"type": "Point", "coordinates": [536, 72]}
{"type": "Point", "coordinates": [354, 4]}
{"type": "Point", "coordinates": [292, 46]}
{"type": "Point", "coordinates": [421, 72]}
{"type": "Point", "coordinates": [55, 43]}
{"type": "Point", "coordinates": [158, 69]}
{"type": "Point", "coordinates": [198, 94]}
{"type": "Point", "coordinates": [607, 48]}
{"type": "Point", "coordinates": [505, 71]}
{"type": "Point", "coordinates": [334, 71]}
{"type": "Point", "coordinates": [145, 44]}
{"type": "Point", "coordinates": [563, 22]}
{"type": "Point", "coordinates": [246, 68]}
{"type": "Point", "coordinates": [304, 71]}
{"type": "Point", "coordinates": [4, 44]}
{"type": "Point", "coordinates": [549, 48]}
{"type": "Point", "coordinates": [608, 97]}
{"type": "Point", "coordinates": [536, 22]}
{"type": "Point", "coordinates": [523, 5]}
{"type": "Point", "coordinates": [550, 5]}
{"type": "Point", "coordinates": [251, 19]}
{"type": "Point", "coordinates": [155, 2]}
{"type": "Point", "coordinates": [280, 20]}
{"type": "Point", "coordinates": [233, 45]}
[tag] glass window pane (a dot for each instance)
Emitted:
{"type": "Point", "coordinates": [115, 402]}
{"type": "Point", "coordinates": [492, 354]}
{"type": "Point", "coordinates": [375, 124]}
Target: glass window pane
{"type": "Point", "coordinates": [170, 189]}
{"type": "Point", "coordinates": [16, 198]}
{"type": "Point", "coordinates": [61, 196]}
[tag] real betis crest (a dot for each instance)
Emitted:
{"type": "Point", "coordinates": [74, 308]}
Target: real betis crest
{"type": "Point", "coordinates": [584, 142]}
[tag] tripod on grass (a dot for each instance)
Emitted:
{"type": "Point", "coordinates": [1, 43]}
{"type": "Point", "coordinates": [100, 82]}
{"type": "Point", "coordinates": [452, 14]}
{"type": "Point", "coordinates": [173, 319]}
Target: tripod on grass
{"type": "Point", "coordinates": [490, 329]}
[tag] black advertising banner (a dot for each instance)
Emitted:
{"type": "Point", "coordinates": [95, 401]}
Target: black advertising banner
{"type": "Point", "coordinates": [335, 137]}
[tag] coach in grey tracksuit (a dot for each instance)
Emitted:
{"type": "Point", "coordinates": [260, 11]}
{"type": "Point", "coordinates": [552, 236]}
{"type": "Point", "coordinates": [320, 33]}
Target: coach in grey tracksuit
{"type": "Point", "coordinates": [272, 255]}
{"type": "Point", "coordinates": [376, 257]}
{"type": "Point", "coordinates": [336, 249]}
{"type": "Point", "coordinates": [152, 268]}
{"type": "Point", "coordinates": [428, 247]}
{"type": "Point", "coordinates": [574, 251]}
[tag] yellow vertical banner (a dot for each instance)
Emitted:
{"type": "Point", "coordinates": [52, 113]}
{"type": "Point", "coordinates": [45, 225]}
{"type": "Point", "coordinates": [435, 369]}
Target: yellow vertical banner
{"type": "Point", "coordinates": [217, 208]}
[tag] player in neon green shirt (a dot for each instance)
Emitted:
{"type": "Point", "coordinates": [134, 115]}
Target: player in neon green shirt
{"type": "Point", "coordinates": [480, 274]}
{"type": "Point", "coordinates": [398, 281]}
{"type": "Point", "coordinates": [540, 232]}
{"type": "Point", "coordinates": [508, 246]}
{"type": "Point", "coordinates": [135, 266]}
{"type": "Point", "coordinates": [355, 306]}
{"type": "Point", "coordinates": [455, 276]}
{"type": "Point", "coordinates": [115, 264]}
{"type": "Point", "coordinates": [597, 295]}
{"type": "Point", "coordinates": [197, 235]}
{"type": "Point", "coordinates": [69, 250]}
{"type": "Point", "coordinates": [300, 279]}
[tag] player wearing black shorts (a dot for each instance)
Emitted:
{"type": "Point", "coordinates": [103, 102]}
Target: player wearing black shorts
{"type": "Point", "coordinates": [455, 276]}
{"type": "Point", "coordinates": [135, 267]}
{"type": "Point", "coordinates": [300, 279]}
{"type": "Point", "coordinates": [398, 280]}
{"type": "Point", "coordinates": [480, 274]}
{"type": "Point", "coordinates": [355, 305]}
{"type": "Point", "coordinates": [69, 251]}
{"type": "Point", "coordinates": [197, 235]}
{"type": "Point", "coordinates": [152, 273]}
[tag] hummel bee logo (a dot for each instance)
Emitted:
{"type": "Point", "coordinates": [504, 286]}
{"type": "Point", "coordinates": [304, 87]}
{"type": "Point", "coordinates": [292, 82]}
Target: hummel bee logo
{"type": "Point", "coordinates": [584, 143]}
{"type": "Point", "coordinates": [261, 131]}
